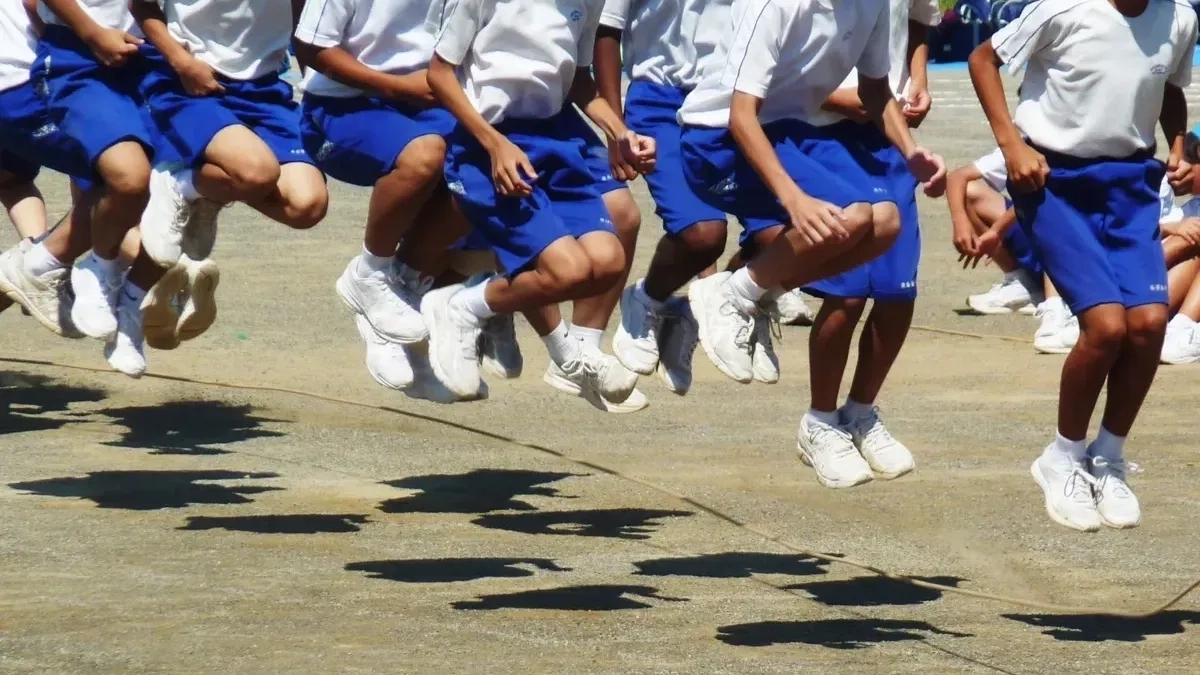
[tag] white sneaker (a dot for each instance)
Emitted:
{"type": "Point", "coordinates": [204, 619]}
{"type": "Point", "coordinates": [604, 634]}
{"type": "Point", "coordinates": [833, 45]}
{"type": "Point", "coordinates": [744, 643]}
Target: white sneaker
{"type": "Point", "coordinates": [791, 309]}
{"type": "Point", "coordinates": [160, 309]}
{"type": "Point", "coordinates": [1181, 345]}
{"type": "Point", "coordinates": [124, 350]}
{"type": "Point", "coordinates": [830, 451]}
{"type": "Point", "coordinates": [726, 331]}
{"type": "Point", "coordinates": [200, 232]}
{"type": "Point", "coordinates": [499, 351]}
{"type": "Point", "coordinates": [1006, 297]}
{"type": "Point", "coordinates": [199, 312]}
{"type": "Point", "coordinates": [765, 362]}
{"type": "Point", "coordinates": [46, 298]}
{"type": "Point", "coordinates": [677, 345]}
{"type": "Point", "coordinates": [886, 456]}
{"type": "Point", "coordinates": [1059, 329]}
{"type": "Point", "coordinates": [636, 340]}
{"type": "Point", "coordinates": [578, 384]}
{"type": "Point", "coordinates": [164, 219]}
{"type": "Point", "coordinates": [601, 372]}
{"type": "Point", "coordinates": [1068, 490]}
{"type": "Point", "coordinates": [94, 311]}
{"type": "Point", "coordinates": [388, 303]}
{"type": "Point", "coordinates": [1115, 502]}
{"type": "Point", "coordinates": [387, 361]}
{"type": "Point", "coordinates": [425, 384]}
{"type": "Point", "coordinates": [453, 342]}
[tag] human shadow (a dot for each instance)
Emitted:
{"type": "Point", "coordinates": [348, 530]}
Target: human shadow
{"type": "Point", "coordinates": [298, 523]}
{"type": "Point", "coordinates": [27, 401]}
{"type": "Point", "coordinates": [614, 523]}
{"type": "Point", "coordinates": [874, 591]}
{"type": "Point", "coordinates": [595, 598]}
{"type": "Point", "coordinates": [150, 490]}
{"type": "Point", "coordinates": [731, 565]}
{"type": "Point", "coordinates": [450, 570]}
{"type": "Point", "coordinates": [474, 492]}
{"type": "Point", "coordinates": [187, 427]}
{"type": "Point", "coordinates": [831, 633]}
{"type": "Point", "coordinates": [1101, 628]}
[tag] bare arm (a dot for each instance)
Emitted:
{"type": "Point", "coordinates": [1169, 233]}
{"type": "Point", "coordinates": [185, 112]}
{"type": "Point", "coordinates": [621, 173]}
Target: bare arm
{"type": "Point", "coordinates": [846, 103]}
{"type": "Point", "coordinates": [1173, 119]}
{"type": "Point", "coordinates": [607, 63]}
{"type": "Point", "coordinates": [585, 94]}
{"type": "Point", "coordinates": [72, 14]}
{"type": "Point", "coordinates": [31, 9]}
{"type": "Point", "coordinates": [956, 196]}
{"type": "Point", "coordinates": [449, 93]}
{"type": "Point", "coordinates": [882, 108]}
{"type": "Point", "coordinates": [337, 64]}
{"type": "Point", "coordinates": [918, 56]}
{"type": "Point", "coordinates": [1004, 223]}
{"type": "Point", "coordinates": [984, 67]}
{"type": "Point", "coordinates": [153, 22]}
{"type": "Point", "coordinates": [748, 133]}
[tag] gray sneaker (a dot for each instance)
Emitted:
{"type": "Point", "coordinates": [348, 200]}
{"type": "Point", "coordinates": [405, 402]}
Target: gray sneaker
{"type": "Point", "coordinates": [46, 298]}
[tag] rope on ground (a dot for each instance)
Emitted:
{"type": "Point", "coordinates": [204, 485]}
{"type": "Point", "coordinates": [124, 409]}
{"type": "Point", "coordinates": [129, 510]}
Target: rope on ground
{"type": "Point", "coordinates": [700, 506]}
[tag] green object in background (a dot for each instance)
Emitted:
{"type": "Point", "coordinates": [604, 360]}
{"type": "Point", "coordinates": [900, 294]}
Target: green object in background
{"type": "Point", "coordinates": [240, 335]}
{"type": "Point", "coordinates": [946, 4]}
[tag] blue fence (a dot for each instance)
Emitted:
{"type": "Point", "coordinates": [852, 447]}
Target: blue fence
{"type": "Point", "coordinates": [969, 23]}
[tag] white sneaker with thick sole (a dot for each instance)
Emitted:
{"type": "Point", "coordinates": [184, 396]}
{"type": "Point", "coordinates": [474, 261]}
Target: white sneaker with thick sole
{"type": "Point", "coordinates": [164, 220]}
{"type": "Point", "coordinates": [1067, 487]}
{"type": "Point", "coordinates": [425, 384]}
{"type": "Point", "coordinates": [830, 451]}
{"type": "Point", "coordinates": [726, 332]}
{"type": "Point", "coordinates": [1115, 502]}
{"type": "Point", "coordinates": [1006, 297]}
{"type": "Point", "coordinates": [765, 362]}
{"type": "Point", "coordinates": [1182, 342]}
{"type": "Point", "coordinates": [499, 351]}
{"type": "Point", "coordinates": [386, 302]}
{"type": "Point", "coordinates": [124, 351]}
{"type": "Point", "coordinates": [94, 311]}
{"type": "Point", "coordinates": [387, 361]}
{"type": "Point", "coordinates": [1059, 329]}
{"type": "Point", "coordinates": [46, 298]}
{"type": "Point", "coordinates": [886, 456]}
{"type": "Point", "coordinates": [579, 384]}
{"type": "Point", "coordinates": [160, 309]}
{"type": "Point", "coordinates": [677, 346]}
{"type": "Point", "coordinates": [602, 372]}
{"type": "Point", "coordinates": [791, 309]}
{"type": "Point", "coordinates": [200, 232]}
{"type": "Point", "coordinates": [636, 340]}
{"type": "Point", "coordinates": [199, 313]}
{"type": "Point", "coordinates": [453, 342]}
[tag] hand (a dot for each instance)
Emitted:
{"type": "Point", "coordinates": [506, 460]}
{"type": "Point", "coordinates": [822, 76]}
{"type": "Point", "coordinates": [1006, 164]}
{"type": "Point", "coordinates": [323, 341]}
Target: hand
{"type": "Point", "coordinates": [639, 151]}
{"type": "Point", "coordinates": [113, 47]}
{"type": "Point", "coordinates": [1187, 229]}
{"type": "Point", "coordinates": [512, 172]}
{"type": "Point", "coordinates": [930, 169]}
{"type": "Point", "coordinates": [621, 169]}
{"type": "Point", "coordinates": [917, 107]}
{"type": "Point", "coordinates": [816, 221]}
{"type": "Point", "coordinates": [1027, 168]}
{"type": "Point", "coordinates": [412, 88]}
{"type": "Point", "coordinates": [964, 237]}
{"type": "Point", "coordinates": [1179, 175]}
{"type": "Point", "coordinates": [198, 78]}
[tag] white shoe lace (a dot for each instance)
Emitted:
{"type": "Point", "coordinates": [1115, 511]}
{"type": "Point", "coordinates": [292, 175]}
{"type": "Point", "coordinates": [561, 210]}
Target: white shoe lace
{"type": "Point", "coordinates": [651, 319]}
{"type": "Point", "coordinates": [1115, 469]}
{"type": "Point", "coordinates": [743, 334]}
{"type": "Point", "coordinates": [826, 436]}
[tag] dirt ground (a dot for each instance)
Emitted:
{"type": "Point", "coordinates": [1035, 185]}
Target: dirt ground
{"type": "Point", "coordinates": [163, 526]}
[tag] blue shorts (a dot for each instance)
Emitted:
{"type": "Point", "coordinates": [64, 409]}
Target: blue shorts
{"type": "Point", "coordinates": [1095, 228]}
{"type": "Point", "coordinates": [650, 110]}
{"type": "Point", "coordinates": [17, 169]}
{"type": "Point", "coordinates": [357, 140]}
{"type": "Point", "coordinates": [820, 164]}
{"type": "Point", "coordinates": [1016, 242]}
{"type": "Point", "coordinates": [92, 104]}
{"type": "Point", "coordinates": [893, 275]}
{"type": "Point", "coordinates": [565, 201]}
{"type": "Point", "coordinates": [595, 152]}
{"type": "Point", "coordinates": [472, 242]}
{"type": "Point", "coordinates": [189, 123]}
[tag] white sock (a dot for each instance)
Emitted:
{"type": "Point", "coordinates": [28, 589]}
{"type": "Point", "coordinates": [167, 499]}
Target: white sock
{"type": "Point", "coordinates": [827, 418]}
{"type": "Point", "coordinates": [561, 346]}
{"type": "Point", "coordinates": [1108, 445]}
{"type": "Point", "coordinates": [39, 261]}
{"type": "Point", "coordinates": [590, 337]}
{"type": "Point", "coordinates": [471, 300]}
{"type": "Point", "coordinates": [369, 263]}
{"type": "Point", "coordinates": [134, 294]}
{"type": "Point", "coordinates": [639, 290]}
{"type": "Point", "coordinates": [744, 287]}
{"type": "Point", "coordinates": [1056, 301]}
{"type": "Point", "coordinates": [853, 409]}
{"type": "Point", "coordinates": [110, 268]}
{"type": "Point", "coordinates": [185, 183]}
{"type": "Point", "coordinates": [1064, 448]}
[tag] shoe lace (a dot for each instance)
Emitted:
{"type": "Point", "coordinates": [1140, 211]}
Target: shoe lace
{"type": "Point", "coordinates": [831, 436]}
{"type": "Point", "coordinates": [1080, 484]}
{"type": "Point", "coordinates": [1115, 469]}
{"type": "Point", "coordinates": [875, 431]}
{"type": "Point", "coordinates": [743, 334]}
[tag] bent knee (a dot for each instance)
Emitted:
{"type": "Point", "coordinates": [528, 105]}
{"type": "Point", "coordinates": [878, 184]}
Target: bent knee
{"type": "Point", "coordinates": [704, 236]}
{"type": "Point", "coordinates": [258, 174]}
{"type": "Point", "coordinates": [626, 217]}
{"type": "Point", "coordinates": [1146, 324]}
{"type": "Point", "coordinates": [885, 222]}
{"type": "Point", "coordinates": [307, 208]}
{"type": "Point", "coordinates": [607, 262]}
{"type": "Point", "coordinates": [858, 219]}
{"type": "Point", "coordinates": [1106, 334]}
{"type": "Point", "coordinates": [423, 158]}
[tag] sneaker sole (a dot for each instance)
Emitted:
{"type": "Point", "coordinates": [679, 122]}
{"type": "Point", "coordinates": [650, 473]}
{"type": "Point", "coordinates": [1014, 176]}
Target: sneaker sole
{"type": "Point", "coordinates": [159, 316]}
{"type": "Point", "coordinates": [493, 367]}
{"type": "Point", "coordinates": [1037, 477]}
{"type": "Point", "coordinates": [90, 331]}
{"type": "Point", "coordinates": [203, 312]}
{"type": "Point", "coordinates": [29, 309]}
{"type": "Point", "coordinates": [988, 311]}
{"type": "Point", "coordinates": [678, 390]}
{"type": "Point", "coordinates": [342, 286]}
{"type": "Point", "coordinates": [363, 328]}
{"type": "Point", "coordinates": [431, 312]}
{"type": "Point", "coordinates": [1042, 349]}
{"type": "Point", "coordinates": [702, 329]}
{"type": "Point", "coordinates": [568, 387]}
{"type": "Point", "coordinates": [622, 338]}
{"type": "Point", "coordinates": [831, 484]}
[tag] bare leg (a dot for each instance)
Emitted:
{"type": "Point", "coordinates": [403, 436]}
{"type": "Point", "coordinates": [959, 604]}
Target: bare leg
{"type": "Point", "coordinates": [882, 339]}
{"type": "Point", "coordinates": [595, 311]}
{"type": "Point", "coordinates": [1133, 372]}
{"type": "Point", "coordinates": [1101, 341]}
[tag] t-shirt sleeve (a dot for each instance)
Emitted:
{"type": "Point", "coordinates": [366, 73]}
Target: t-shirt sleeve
{"type": "Point", "coordinates": [587, 42]}
{"type": "Point", "coordinates": [1033, 31]}
{"type": "Point", "coordinates": [1191, 208]}
{"type": "Point", "coordinates": [1181, 74]}
{"type": "Point", "coordinates": [993, 169]}
{"type": "Point", "coordinates": [460, 23]}
{"type": "Point", "coordinates": [757, 42]}
{"type": "Point", "coordinates": [1167, 211]}
{"type": "Point", "coordinates": [323, 22]}
{"type": "Point", "coordinates": [615, 14]}
{"type": "Point", "coordinates": [876, 59]}
{"type": "Point", "coordinates": [925, 12]}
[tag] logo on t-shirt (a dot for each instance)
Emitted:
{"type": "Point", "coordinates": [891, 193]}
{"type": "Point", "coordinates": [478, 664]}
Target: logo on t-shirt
{"type": "Point", "coordinates": [1158, 69]}
{"type": "Point", "coordinates": [576, 15]}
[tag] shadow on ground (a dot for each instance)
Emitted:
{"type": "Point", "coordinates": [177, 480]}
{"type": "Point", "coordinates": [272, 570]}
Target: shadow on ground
{"type": "Point", "coordinates": [150, 490]}
{"type": "Point", "coordinates": [731, 565]}
{"type": "Point", "coordinates": [614, 523]}
{"type": "Point", "coordinates": [187, 427]}
{"type": "Point", "coordinates": [1099, 628]}
{"type": "Point", "coordinates": [874, 591]}
{"type": "Point", "coordinates": [27, 401]}
{"type": "Point", "coordinates": [299, 523]}
{"type": "Point", "coordinates": [450, 570]}
{"type": "Point", "coordinates": [832, 633]}
{"type": "Point", "coordinates": [598, 598]}
{"type": "Point", "coordinates": [475, 492]}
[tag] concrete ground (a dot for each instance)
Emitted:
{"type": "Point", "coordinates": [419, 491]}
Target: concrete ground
{"type": "Point", "coordinates": [162, 526]}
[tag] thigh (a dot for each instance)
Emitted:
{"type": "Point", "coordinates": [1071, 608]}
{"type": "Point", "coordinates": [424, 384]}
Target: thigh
{"type": "Point", "coordinates": [719, 176]}
{"type": "Point", "coordinates": [267, 107]}
{"type": "Point", "coordinates": [188, 123]}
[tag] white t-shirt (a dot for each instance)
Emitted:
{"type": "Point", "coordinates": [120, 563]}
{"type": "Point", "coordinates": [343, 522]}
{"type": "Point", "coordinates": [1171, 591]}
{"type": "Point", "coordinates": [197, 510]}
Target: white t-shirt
{"type": "Point", "coordinates": [1190, 208]}
{"type": "Point", "coordinates": [792, 54]}
{"type": "Point", "coordinates": [240, 39]}
{"type": "Point", "coordinates": [17, 44]}
{"type": "Point", "coordinates": [668, 42]}
{"type": "Point", "coordinates": [107, 13]}
{"type": "Point", "coordinates": [924, 12]}
{"type": "Point", "coordinates": [516, 58]}
{"type": "Point", "coordinates": [1168, 212]}
{"type": "Point", "coordinates": [389, 36]}
{"type": "Point", "coordinates": [1095, 78]}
